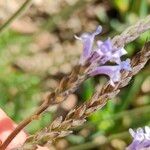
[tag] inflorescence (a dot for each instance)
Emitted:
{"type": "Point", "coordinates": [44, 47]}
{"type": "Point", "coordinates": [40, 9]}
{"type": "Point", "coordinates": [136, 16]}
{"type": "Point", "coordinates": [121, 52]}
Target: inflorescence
{"type": "Point", "coordinates": [102, 53]}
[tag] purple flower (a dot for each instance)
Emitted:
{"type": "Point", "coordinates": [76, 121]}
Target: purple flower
{"type": "Point", "coordinates": [88, 40]}
{"type": "Point", "coordinates": [101, 53]}
{"type": "Point", "coordinates": [112, 71]}
{"type": "Point", "coordinates": [141, 139]}
{"type": "Point", "coordinates": [109, 53]}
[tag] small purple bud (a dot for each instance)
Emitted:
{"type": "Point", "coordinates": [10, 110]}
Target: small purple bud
{"type": "Point", "coordinates": [105, 46]}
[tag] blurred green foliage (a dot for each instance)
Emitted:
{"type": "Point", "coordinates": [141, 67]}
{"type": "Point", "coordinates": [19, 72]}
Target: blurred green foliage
{"type": "Point", "coordinates": [19, 91]}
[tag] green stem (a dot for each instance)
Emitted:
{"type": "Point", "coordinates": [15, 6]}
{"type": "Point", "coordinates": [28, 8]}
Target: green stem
{"type": "Point", "coordinates": [15, 15]}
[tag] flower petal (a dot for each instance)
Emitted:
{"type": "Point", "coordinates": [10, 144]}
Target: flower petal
{"type": "Point", "coordinates": [112, 71]}
{"type": "Point", "coordinates": [141, 139]}
{"type": "Point", "coordinates": [88, 40]}
{"type": "Point", "coordinates": [132, 132]}
{"type": "Point", "coordinates": [126, 65]}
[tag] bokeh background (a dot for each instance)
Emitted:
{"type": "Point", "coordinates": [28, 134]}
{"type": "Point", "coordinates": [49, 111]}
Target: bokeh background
{"type": "Point", "coordinates": [39, 48]}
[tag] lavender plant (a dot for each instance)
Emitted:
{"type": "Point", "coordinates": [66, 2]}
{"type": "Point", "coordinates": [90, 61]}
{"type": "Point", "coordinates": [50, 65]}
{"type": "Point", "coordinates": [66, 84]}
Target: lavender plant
{"type": "Point", "coordinates": [61, 127]}
{"type": "Point", "coordinates": [95, 60]}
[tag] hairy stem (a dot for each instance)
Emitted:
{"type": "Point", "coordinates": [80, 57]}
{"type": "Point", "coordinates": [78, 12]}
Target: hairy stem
{"type": "Point", "coordinates": [131, 33]}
